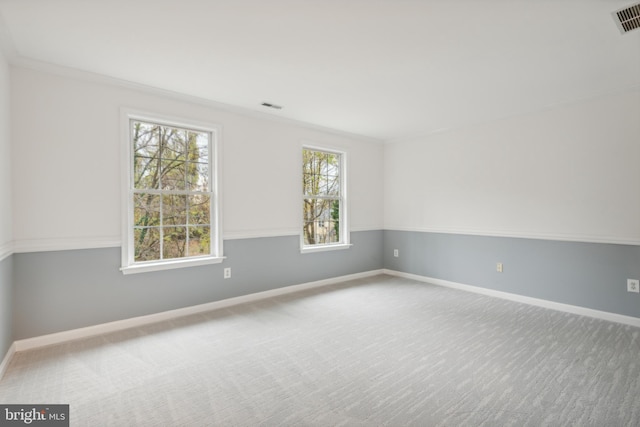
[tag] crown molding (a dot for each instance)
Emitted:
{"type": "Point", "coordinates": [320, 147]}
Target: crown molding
{"type": "Point", "coordinates": [92, 77]}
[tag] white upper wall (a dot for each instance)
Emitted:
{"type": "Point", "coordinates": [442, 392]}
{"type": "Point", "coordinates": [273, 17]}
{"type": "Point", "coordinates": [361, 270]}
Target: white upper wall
{"type": "Point", "coordinates": [66, 156]}
{"type": "Point", "coordinates": [566, 173]}
{"type": "Point", "coordinates": [570, 173]}
{"type": "Point", "coordinates": [5, 159]}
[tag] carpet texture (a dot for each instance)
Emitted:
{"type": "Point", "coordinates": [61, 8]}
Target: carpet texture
{"type": "Point", "coordinates": [377, 351]}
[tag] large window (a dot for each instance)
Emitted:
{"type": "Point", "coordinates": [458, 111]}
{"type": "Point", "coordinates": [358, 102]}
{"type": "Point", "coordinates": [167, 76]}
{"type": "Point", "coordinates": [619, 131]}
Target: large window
{"type": "Point", "coordinates": [324, 207]}
{"type": "Point", "coordinates": [172, 198]}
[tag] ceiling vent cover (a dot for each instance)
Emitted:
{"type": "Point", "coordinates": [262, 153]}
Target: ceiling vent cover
{"type": "Point", "coordinates": [628, 18]}
{"type": "Point", "coordinates": [270, 105]}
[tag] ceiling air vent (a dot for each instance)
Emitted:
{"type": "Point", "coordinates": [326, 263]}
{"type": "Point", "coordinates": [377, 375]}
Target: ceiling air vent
{"type": "Point", "coordinates": [628, 18]}
{"type": "Point", "coordinates": [270, 105]}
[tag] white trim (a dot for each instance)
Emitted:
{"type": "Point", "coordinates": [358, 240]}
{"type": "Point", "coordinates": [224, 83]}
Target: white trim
{"type": "Point", "coordinates": [567, 308]}
{"type": "Point", "coordinates": [6, 250]}
{"type": "Point", "coordinates": [581, 238]}
{"type": "Point", "coordinates": [343, 198]}
{"type": "Point", "coordinates": [256, 234]}
{"type": "Point", "coordinates": [87, 76]}
{"type": "Point", "coordinates": [361, 229]}
{"type": "Point", "coordinates": [64, 244]}
{"type": "Point", "coordinates": [68, 244]}
{"type": "Point", "coordinates": [325, 248]}
{"type": "Point", "coordinates": [7, 360]}
{"type": "Point", "coordinates": [118, 325]}
{"type": "Point", "coordinates": [128, 264]}
{"type": "Point", "coordinates": [170, 264]}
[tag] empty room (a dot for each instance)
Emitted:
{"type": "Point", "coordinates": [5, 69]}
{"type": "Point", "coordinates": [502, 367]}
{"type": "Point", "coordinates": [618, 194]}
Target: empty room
{"type": "Point", "coordinates": [322, 213]}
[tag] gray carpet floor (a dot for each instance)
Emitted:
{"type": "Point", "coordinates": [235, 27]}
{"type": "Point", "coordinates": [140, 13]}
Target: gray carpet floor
{"type": "Point", "coordinates": [377, 351]}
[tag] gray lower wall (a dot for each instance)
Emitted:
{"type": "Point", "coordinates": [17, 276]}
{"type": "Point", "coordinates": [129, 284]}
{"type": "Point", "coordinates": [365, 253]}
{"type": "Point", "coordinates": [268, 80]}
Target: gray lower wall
{"type": "Point", "coordinates": [59, 291]}
{"type": "Point", "coordinates": [6, 306]}
{"type": "Point", "coordinates": [591, 275]}
{"type": "Point", "coordinates": [63, 290]}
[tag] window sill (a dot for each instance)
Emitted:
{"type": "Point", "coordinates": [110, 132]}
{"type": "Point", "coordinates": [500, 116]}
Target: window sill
{"type": "Point", "coordinates": [324, 248]}
{"type": "Point", "coordinates": [170, 265]}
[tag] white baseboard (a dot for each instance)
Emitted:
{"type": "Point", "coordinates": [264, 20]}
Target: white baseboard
{"type": "Point", "coordinates": [567, 308]}
{"type": "Point", "coordinates": [7, 359]}
{"type": "Point", "coordinates": [118, 325]}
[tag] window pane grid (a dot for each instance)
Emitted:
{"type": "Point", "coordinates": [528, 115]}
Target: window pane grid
{"type": "Point", "coordinates": [172, 238]}
{"type": "Point", "coordinates": [178, 192]}
{"type": "Point", "coordinates": [172, 201]}
{"type": "Point", "coordinates": [322, 197]}
{"type": "Point", "coordinates": [169, 158]}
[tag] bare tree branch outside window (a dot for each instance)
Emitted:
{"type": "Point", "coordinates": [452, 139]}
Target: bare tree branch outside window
{"type": "Point", "coordinates": [321, 182]}
{"type": "Point", "coordinates": [171, 192]}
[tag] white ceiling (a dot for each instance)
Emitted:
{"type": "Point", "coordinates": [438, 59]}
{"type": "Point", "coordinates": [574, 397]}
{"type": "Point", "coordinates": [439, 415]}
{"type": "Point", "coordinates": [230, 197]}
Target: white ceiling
{"type": "Point", "coordinates": [386, 69]}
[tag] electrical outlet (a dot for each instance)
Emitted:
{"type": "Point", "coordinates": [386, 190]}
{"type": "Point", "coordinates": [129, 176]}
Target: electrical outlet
{"type": "Point", "coordinates": [633, 285]}
{"type": "Point", "coordinates": [396, 253]}
{"type": "Point", "coordinates": [227, 273]}
{"type": "Point", "coordinates": [499, 267]}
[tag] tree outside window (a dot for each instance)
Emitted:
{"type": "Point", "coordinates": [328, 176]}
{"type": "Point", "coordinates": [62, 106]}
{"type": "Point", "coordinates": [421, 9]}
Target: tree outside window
{"type": "Point", "coordinates": [171, 192]}
{"type": "Point", "coordinates": [323, 197]}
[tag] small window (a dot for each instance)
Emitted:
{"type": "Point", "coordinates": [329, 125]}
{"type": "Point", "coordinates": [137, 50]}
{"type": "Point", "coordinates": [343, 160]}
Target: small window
{"type": "Point", "coordinates": [324, 203]}
{"type": "Point", "coordinates": [172, 199]}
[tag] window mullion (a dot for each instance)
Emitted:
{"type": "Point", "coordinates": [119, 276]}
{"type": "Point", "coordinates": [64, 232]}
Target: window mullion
{"type": "Point", "coordinates": [161, 255]}
{"type": "Point", "coordinates": [180, 163]}
{"type": "Point", "coordinates": [185, 184]}
{"type": "Point", "coordinates": [186, 223]}
{"type": "Point", "coordinates": [323, 182]}
{"type": "Point", "coordinates": [323, 197]}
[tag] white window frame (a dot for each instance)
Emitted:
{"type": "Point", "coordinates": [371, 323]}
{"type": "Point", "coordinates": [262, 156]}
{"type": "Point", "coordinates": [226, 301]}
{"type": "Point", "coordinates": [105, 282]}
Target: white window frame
{"type": "Point", "coordinates": [129, 265]}
{"type": "Point", "coordinates": [345, 232]}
